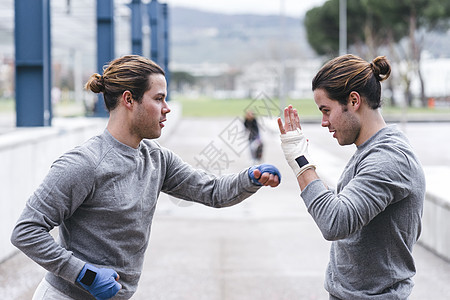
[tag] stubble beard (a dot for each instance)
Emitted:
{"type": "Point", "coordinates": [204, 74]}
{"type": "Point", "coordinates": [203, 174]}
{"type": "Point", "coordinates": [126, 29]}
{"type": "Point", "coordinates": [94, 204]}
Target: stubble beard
{"type": "Point", "coordinates": [350, 129]}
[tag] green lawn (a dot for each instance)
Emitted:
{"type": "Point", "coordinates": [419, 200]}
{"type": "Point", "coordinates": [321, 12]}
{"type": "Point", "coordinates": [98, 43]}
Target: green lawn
{"type": "Point", "coordinates": [6, 105]}
{"type": "Point", "coordinates": [62, 109]}
{"type": "Point", "coordinates": [416, 110]}
{"type": "Point", "coordinates": [206, 107]}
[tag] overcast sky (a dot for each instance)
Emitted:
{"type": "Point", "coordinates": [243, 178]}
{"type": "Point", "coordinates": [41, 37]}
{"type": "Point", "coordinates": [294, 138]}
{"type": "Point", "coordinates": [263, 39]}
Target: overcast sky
{"type": "Point", "coordinates": [294, 8]}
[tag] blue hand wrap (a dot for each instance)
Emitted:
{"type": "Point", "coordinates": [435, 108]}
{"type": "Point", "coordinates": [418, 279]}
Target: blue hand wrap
{"type": "Point", "coordinates": [100, 282]}
{"type": "Point", "coordinates": [264, 168]}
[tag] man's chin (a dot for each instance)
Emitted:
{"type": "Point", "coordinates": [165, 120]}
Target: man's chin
{"type": "Point", "coordinates": [153, 136]}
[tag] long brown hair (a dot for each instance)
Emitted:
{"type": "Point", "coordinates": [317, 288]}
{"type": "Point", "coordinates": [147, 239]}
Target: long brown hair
{"type": "Point", "coordinates": [130, 72]}
{"type": "Point", "coordinates": [347, 73]}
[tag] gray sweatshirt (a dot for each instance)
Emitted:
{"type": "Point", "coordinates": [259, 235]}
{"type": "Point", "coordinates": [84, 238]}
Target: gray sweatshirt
{"type": "Point", "coordinates": [374, 219]}
{"type": "Point", "coordinates": [103, 195]}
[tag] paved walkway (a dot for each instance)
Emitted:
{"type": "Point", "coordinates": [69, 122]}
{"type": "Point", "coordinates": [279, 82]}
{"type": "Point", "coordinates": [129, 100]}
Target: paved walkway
{"type": "Point", "coordinates": [267, 247]}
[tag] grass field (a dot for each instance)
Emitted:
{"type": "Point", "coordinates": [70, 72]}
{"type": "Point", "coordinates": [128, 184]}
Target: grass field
{"type": "Point", "coordinates": [7, 105]}
{"type": "Point", "coordinates": [207, 107]}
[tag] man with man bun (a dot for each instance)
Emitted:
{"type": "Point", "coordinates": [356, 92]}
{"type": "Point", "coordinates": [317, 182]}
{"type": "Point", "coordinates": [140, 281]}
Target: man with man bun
{"type": "Point", "coordinates": [103, 194]}
{"type": "Point", "coordinates": [374, 216]}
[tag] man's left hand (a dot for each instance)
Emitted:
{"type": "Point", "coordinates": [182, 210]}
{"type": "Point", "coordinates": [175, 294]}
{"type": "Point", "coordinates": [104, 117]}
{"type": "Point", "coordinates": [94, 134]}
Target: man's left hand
{"type": "Point", "coordinates": [265, 174]}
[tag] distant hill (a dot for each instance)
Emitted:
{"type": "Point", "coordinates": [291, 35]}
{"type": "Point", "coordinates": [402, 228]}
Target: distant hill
{"type": "Point", "coordinates": [200, 36]}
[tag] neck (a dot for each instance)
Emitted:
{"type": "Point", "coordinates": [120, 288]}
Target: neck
{"type": "Point", "coordinates": [371, 122]}
{"type": "Point", "coordinates": [119, 128]}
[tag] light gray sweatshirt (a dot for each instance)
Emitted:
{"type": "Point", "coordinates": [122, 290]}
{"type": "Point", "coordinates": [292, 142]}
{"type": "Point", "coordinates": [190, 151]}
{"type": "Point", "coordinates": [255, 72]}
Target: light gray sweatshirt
{"type": "Point", "coordinates": [103, 195]}
{"type": "Point", "coordinates": [374, 219]}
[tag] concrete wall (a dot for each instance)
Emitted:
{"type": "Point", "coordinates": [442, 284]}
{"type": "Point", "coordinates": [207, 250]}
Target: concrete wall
{"type": "Point", "coordinates": [435, 234]}
{"type": "Point", "coordinates": [436, 212]}
{"type": "Point", "coordinates": [26, 155]}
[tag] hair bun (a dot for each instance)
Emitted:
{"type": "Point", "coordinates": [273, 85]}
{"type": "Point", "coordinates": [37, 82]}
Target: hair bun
{"type": "Point", "coordinates": [381, 68]}
{"type": "Point", "coordinates": [96, 83]}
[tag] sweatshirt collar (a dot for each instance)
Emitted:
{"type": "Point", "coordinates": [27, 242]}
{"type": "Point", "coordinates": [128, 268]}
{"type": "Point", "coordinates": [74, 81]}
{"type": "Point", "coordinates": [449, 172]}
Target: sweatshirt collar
{"type": "Point", "coordinates": [120, 147]}
{"type": "Point", "coordinates": [382, 131]}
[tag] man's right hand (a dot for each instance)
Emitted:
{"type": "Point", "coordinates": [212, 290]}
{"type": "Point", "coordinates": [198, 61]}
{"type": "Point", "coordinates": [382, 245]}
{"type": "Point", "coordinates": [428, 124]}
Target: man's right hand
{"type": "Point", "coordinates": [293, 143]}
{"type": "Point", "coordinates": [100, 282]}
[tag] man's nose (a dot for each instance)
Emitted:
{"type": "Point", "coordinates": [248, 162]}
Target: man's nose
{"type": "Point", "coordinates": [166, 109]}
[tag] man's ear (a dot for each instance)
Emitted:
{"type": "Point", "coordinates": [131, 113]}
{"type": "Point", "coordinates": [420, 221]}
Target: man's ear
{"type": "Point", "coordinates": [127, 99]}
{"type": "Point", "coordinates": [354, 100]}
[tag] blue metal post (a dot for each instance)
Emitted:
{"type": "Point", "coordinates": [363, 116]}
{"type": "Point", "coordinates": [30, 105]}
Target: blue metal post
{"type": "Point", "coordinates": [165, 15]}
{"type": "Point", "coordinates": [105, 45]}
{"type": "Point", "coordinates": [159, 25]}
{"type": "Point", "coordinates": [155, 41]}
{"type": "Point", "coordinates": [48, 70]}
{"type": "Point", "coordinates": [33, 65]}
{"type": "Point", "coordinates": [136, 27]}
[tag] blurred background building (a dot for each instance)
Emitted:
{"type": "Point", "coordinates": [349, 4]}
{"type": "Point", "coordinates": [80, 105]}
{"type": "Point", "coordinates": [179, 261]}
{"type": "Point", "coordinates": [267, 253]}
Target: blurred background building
{"type": "Point", "coordinates": [222, 50]}
{"type": "Point", "coordinates": [234, 55]}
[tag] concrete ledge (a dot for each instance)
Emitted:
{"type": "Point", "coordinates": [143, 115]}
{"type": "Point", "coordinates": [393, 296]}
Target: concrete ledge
{"type": "Point", "coordinates": [26, 154]}
{"type": "Point", "coordinates": [436, 212]}
{"type": "Point", "coordinates": [436, 216]}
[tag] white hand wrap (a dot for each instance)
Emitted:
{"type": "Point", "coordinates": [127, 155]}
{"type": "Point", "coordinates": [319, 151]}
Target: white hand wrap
{"type": "Point", "coordinates": [295, 148]}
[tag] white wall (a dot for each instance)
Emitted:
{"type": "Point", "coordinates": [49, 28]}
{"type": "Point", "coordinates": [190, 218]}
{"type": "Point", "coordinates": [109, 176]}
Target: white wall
{"type": "Point", "coordinates": [435, 234]}
{"type": "Point", "coordinates": [436, 216]}
{"type": "Point", "coordinates": [26, 155]}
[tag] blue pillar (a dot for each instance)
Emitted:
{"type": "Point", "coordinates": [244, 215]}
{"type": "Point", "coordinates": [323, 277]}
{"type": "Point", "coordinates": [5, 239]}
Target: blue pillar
{"type": "Point", "coordinates": [48, 71]}
{"type": "Point", "coordinates": [32, 62]}
{"type": "Point", "coordinates": [159, 43]}
{"type": "Point", "coordinates": [136, 27]}
{"type": "Point", "coordinates": [155, 32]}
{"type": "Point", "coordinates": [105, 45]}
{"type": "Point", "coordinates": [165, 11]}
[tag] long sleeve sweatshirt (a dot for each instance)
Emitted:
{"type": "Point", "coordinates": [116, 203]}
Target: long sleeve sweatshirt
{"type": "Point", "coordinates": [373, 219]}
{"type": "Point", "coordinates": [103, 195]}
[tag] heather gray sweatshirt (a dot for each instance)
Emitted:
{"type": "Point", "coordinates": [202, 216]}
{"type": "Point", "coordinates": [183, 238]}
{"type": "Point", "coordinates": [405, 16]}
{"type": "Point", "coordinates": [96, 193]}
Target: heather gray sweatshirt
{"type": "Point", "coordinates": [374, 219]}
{"type": "Point", "coordinates": [103, 195]}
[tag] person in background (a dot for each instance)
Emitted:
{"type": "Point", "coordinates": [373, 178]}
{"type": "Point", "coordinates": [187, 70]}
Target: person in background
{"type": "Point", "coordinates": [254, 139]}
{"type": "Point", "coordinates": [103, 194]}
{"type": "Point", "coordinates": [374, 217]}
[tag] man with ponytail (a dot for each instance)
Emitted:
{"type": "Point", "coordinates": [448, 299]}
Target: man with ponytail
{"type": "Point", "coordinates": [103, 194]}
{"type": "Point", "coordinates": [374, 217]}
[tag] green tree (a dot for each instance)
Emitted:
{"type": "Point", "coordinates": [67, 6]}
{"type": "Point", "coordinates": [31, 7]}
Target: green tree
{"type": "Point", "coordinates": [322, 28]}
{"type": "Point", "coordinates": [395, 26]}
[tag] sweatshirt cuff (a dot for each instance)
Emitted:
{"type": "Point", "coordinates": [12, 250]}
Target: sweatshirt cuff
{"type": "Point", "coordinates": [312, 191]}
{"type": "Point", "coordinates": [72, 269]}
{"type": "Point", "coordinates": [248, 184]}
